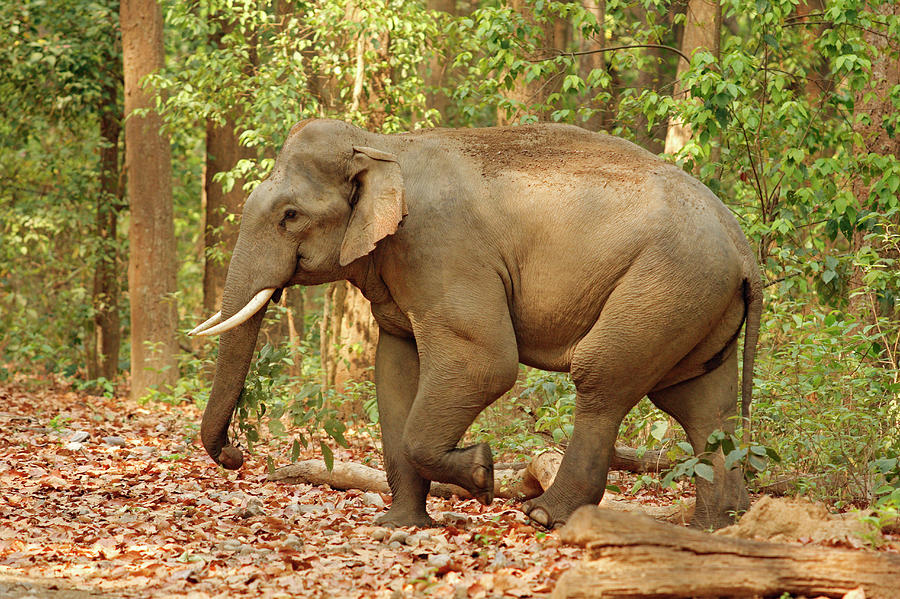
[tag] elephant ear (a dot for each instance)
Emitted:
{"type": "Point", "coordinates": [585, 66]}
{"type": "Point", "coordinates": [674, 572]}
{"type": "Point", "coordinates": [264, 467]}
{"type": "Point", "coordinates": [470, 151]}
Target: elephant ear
{"type": "Point", "coordinates": [379, 203]}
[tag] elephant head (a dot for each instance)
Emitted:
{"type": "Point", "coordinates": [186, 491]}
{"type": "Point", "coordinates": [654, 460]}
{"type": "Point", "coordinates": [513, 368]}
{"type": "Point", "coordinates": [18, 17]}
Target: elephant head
{"type": "Point", "coordinates": [330, 198]}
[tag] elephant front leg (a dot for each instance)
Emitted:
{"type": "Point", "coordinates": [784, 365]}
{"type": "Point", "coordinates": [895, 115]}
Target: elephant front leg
{"type": "Point", "coordinates": [396, 382]}
{"type": "Point", "coordinates": [459, 377]}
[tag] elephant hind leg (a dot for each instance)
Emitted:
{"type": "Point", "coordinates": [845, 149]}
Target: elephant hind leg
{"type": "Point", "coordinates": [581, 479]}
{"type": "Point", "coordinates": [641, 334]}
{"type": "Point", "coordinates": [703, 405]}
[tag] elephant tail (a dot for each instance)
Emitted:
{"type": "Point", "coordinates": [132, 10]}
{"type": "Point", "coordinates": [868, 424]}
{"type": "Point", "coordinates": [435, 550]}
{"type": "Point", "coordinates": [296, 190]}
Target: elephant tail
{"type": "Point", "coordinates": [753, 296]}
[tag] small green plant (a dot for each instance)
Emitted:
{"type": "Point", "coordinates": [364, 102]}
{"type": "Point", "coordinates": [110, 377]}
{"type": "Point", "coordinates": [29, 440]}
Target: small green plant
{"type": "Point", "coordinates": [271, 399]}
{"type": "Point", "coordinates": [754, 458]}
{"type": "Point", "coordinates": [100, 386]}
{"type": "Point", "coordinates": [886, 508]}
{"type": "Point", "coordinates": [58, 423]}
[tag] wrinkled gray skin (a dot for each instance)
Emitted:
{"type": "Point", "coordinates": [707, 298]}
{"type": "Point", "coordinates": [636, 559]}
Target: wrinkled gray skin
{"type": "Point", "coordinates": [547, 245]}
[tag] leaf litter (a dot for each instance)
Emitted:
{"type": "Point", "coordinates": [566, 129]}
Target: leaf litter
{"type": "Point", "coordinates": [104, 497]}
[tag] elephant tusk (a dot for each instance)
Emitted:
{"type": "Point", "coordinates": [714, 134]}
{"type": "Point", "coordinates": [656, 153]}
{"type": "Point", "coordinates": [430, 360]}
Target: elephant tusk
{"type": "Point", "coordinates": [213, 320]}
{"type": "Point", "coordinates": [259, 300]}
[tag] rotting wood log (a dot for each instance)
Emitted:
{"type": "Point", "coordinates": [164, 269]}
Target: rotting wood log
{"type": "Point", "coordinates": [629, 555]}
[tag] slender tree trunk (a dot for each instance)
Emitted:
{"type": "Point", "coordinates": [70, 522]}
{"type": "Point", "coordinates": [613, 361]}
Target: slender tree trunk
{"type": "Point", "coordinates": [702, 29]}
{"type": "Point", "coordinates": [367, 95]}
{"type": "Point", "coordinates": [596, 61]}
{"type": "Point", "coordinates": [435, 71]}
{"type": "Point", "coordinates": [222, 208]}
{"type": "Point", "coordinates": [293, 300]}
{"type": "Point", "coordinates": [874, 103]}
{"type": "Point", "coordinates": [223, 150]}
{"type": "Point", "coordinates": [151, 264]}
{"type": "Point", "coordinates": [650, 78]}
{"type": "Point", "coordinates": [554, 36]}
{"type": "Point", "coordinates": [348, 337]}
{"type": "Point", "coordinates": [105, 301]}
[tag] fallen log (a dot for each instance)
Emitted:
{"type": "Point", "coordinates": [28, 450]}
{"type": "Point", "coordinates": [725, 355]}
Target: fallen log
{"type": "Point", "coordinates": [629, 555]}
{"type": "Point", "coordinates": [650, 462]}
{"type": "Point", "coordinates": [508, 482]}
{"type": "Point", "coordinates": [543, 468]}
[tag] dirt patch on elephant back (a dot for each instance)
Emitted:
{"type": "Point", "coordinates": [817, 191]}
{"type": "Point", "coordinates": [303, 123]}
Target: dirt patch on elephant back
{"type": "Point", "coordinates": [550, 148]}
{"type": "Point", "coordinates": [783, 520]}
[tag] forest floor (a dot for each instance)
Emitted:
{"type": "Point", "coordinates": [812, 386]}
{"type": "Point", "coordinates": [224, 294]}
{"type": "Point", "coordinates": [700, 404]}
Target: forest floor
{"type": "Point", "coordinates": [104, 497]}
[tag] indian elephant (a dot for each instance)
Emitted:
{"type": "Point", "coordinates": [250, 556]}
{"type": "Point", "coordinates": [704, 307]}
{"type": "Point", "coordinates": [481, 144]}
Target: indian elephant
{"type": "Point", "coordinates": [480, 249]}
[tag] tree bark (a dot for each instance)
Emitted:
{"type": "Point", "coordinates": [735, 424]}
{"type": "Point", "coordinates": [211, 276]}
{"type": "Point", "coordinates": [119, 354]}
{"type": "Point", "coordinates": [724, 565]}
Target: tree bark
{"type": "Point", "coordinates": [223, 150]}
{"type": "Point", "coordinates": [651, 77]}
{"type": "Point", "coordinates": [873, 104]}
{"type": "Point", "coordinates": [629, 555]}
{"type": "Point", "coordinates": [594, 61]}
{"type": "Point", "coordinates": [151, 264]}
{"type": "Point", "coordinates": [349, 335]}
{"type": "Point", "coordinates": [222, 208]}
{"type": "Point", "coordinates": [702, 29]}
{"type": "Point", "coordinates": [104, 343]}
{"type": "Point", "coordinates": [554, 36]}
{"type": "Point", "coordinates": [293, 300]}
{"type": "Point", "coordinates": [435, 71]}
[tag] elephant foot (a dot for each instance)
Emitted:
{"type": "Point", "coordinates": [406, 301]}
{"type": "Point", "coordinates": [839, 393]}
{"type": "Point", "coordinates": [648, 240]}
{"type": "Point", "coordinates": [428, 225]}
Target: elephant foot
{"type": "Point", "coordinates": [711, 516]}
{"type": "Point", "coordinates": [546, 513]}
{"type": "Point", "coordinates": [481, 473]}
{"type": "Point", "coordinates": [397, 517]}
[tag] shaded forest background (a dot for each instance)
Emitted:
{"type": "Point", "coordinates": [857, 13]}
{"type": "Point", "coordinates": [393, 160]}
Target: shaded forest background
{"type": "Point", "coordinates": [116, 232]}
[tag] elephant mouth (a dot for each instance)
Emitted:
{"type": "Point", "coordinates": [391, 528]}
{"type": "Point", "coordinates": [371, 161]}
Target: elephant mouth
{"type": "Point", "coordinates": [215, 325]}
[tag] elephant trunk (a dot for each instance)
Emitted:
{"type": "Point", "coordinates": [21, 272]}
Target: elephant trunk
{"type": "Point", "coordinates": [236, 348]}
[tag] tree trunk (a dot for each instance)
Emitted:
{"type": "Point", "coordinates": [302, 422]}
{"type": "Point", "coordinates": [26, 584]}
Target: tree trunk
{"type": "Point", "coordinates": [435, 70]}
{"type": "Point", "coordinates": [151, 264]}
{"type": "Point", "coordinates": [223, 150]}
{"type": "Point", "coordinates": [554, 36]}
{"type": "Point", "coordinates": [595, 61]}
{"type": "Point", "coordinates": [702, 29]}
{"type": "Point", "coordinates": [104, 342]}
{"type": "Point", "coordinates": [873, 106]}
{"type": "Point", "coordinates": [222, 208]}
{"type": "Point", "coordinates": [629, 555]}
{"type": "Point", "coordinates": [348, 337]}
{"type": "Point", "coordinates": [651, 77]}
{"type": "Point", "coordinates": [292, 299]}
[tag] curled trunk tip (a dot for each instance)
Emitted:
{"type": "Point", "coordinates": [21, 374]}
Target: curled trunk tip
{"type": "Point", "coordinates": [231, 457]}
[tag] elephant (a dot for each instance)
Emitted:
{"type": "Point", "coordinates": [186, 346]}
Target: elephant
{"type": "Point", "coordinates": [483, 248]}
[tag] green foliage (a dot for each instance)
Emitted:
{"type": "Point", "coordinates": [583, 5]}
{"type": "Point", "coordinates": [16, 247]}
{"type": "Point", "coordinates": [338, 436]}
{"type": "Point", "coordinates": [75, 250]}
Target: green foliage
{"type": "Point", "coordinates": [281, 407]}
{"type": "Point", "coordinates": [823, 401]}
{"type": "Point", "coordinates": [265, 70]}
{"type": "Point", "coordinates": [58, 59]}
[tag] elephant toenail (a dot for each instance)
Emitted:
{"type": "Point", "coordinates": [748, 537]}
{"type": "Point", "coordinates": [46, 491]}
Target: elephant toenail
{"type": "Point", "coordinates": [479, 477]}
{"type": "Point", "coordinates": [485, 498]}
{"type": "Point", "coordinates": [540, 516]}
